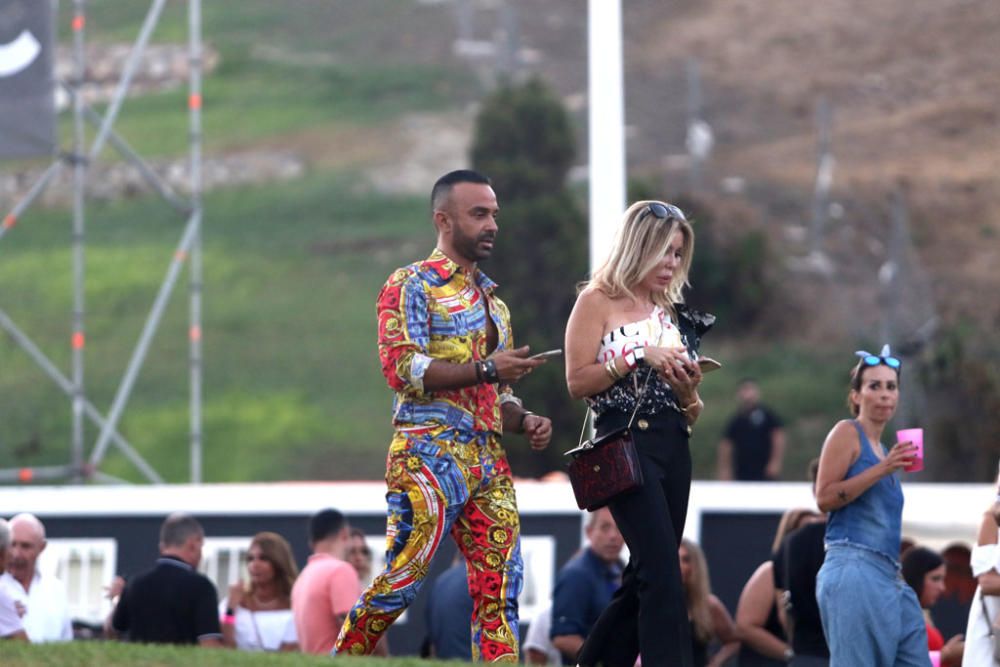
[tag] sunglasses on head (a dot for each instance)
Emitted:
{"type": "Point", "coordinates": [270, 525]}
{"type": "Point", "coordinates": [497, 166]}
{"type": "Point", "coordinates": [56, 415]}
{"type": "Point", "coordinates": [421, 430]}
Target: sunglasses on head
{"type": "Point", "coordinates": [875, 360]}
{"type": "Point", "coordinates": [662, 211]}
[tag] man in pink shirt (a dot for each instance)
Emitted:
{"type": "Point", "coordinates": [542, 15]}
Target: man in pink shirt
{"type": "Point", "coordinates": [327, 587]}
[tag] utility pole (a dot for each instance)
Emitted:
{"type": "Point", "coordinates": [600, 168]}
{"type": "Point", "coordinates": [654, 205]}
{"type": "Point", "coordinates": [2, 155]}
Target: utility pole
{"type": "Point", "coordinates": [606, 123]}
{"type": "Point", "coordinates": [699, 140]}
{"type": "Point", "coordinates": [824, 176]}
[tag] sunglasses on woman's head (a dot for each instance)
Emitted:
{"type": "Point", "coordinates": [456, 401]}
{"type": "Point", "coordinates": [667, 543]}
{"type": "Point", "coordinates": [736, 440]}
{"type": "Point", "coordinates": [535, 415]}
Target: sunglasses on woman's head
{"type": "Point", "coordinates": [662, 211]}
{"type": "Point", "coordinates": [875, 360]}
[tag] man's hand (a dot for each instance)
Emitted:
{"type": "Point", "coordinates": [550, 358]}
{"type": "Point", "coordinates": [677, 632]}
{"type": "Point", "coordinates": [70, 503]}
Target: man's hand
{"type": "Point", "coordinates": [538, 431]}
{"type": "Point", "coordinates": [773, 470]}
{"type": "Point", "coordinates": [114, 590]}
{"type": "Point", "coordinates": [512, 365]}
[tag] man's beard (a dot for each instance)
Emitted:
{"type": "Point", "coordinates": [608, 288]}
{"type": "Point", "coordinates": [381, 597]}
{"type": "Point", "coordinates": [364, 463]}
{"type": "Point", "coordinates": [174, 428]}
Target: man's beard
{"type": "Point", "coordinates": [469, 248]}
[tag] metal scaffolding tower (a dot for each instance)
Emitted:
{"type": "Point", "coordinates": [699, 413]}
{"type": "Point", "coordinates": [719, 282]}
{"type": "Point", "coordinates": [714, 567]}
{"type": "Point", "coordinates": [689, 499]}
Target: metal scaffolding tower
{"type": "Point", "coordinates": [188, 250]}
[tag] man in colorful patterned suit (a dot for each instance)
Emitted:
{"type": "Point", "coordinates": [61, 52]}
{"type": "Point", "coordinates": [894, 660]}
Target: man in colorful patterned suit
{"type": "Point", "coordinates": [446, 349]}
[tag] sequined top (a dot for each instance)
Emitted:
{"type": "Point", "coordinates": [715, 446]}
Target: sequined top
{"type": "Point", "coordinates": [691, 325]}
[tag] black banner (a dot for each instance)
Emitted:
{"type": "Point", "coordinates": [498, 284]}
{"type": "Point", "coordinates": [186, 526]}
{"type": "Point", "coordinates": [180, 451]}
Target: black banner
{"type": "Point", "coordinates": [27, 56]}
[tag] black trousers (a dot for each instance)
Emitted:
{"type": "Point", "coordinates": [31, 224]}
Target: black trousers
{"type": "Point", "coordinates": [648, 615]}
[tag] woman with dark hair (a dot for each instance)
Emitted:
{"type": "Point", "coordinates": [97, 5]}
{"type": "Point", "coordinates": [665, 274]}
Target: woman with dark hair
{"type": "Point", "coordinates": [258, 614]}
{"type": "Point", "coordinates": [360, 555]}
{"type": "Point", "coordinates": [630, 341]}
{"type": "Point", "coordinates": [870, 616]}
{"type": "Point", "coordinates": [923, 570]}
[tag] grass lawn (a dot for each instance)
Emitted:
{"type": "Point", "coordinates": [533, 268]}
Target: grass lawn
{"type": "Point", "coordinates": [111, 654]}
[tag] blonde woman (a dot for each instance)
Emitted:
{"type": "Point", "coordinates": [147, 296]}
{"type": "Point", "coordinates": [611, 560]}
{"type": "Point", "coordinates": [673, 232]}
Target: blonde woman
{"type": "Point", "coordinates": [258, 614]}
{"type": "Point", "coordinates": [709, 619]}
{"type": "Point", "coordinates": [630, 339]}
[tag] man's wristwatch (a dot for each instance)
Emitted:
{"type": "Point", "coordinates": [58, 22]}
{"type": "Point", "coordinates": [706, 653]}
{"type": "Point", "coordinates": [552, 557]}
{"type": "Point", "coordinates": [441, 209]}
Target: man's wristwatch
{"type": "Point", "coordinates": [634, 356]}
{"type": "Point", "coordinates": [789, 654]}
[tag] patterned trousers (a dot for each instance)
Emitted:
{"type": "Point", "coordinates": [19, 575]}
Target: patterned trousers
{"type": "Point", "coordinates": [441, 480]}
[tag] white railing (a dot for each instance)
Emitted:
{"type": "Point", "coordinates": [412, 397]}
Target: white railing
{"type": "Point", "coordinates": [86, 567]}
{"type": "Point", "coordinates": [539, 555]}
{"type": "Point", "coordinates": [224, 561]}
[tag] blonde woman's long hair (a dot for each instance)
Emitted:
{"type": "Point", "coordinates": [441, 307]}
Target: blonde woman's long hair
{"type": "Point", "coordinates": [697, 592]}
{"type": "Point", "coordinates": [640, 242]}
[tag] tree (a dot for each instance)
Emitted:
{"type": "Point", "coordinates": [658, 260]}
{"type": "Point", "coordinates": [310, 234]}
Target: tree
{"type": "Point", "coordinates": [524, 142]}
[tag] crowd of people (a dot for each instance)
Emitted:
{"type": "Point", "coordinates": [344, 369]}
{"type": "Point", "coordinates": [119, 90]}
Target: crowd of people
{"type": "Point", "coordinates": [277, 608]}
{"type": "Point", "coordinates": [273, 607]}
{"type": "Point", "coordinates": [842, 587]}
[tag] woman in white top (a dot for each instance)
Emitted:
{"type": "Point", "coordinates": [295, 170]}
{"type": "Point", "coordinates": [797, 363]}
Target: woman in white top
{"type": "Point", "coordinates": [985, 609]}
{"type": "Point", "coordinates": [258, 615]}
{"type": "Point", "coordinates": [631, 341]}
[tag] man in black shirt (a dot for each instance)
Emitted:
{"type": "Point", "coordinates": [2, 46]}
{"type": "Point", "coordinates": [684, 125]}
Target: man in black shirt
{"type": "Point", "coordinates": [796, 564]}
{"type": "Point", "coordinates": [171, 603]}
{"type": "Point", "coordinates": [795, 568]}
{"type": "Point", "coordinates": [753, 446]}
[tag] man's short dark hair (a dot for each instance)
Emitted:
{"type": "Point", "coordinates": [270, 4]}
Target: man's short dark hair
{"type": "Point", "coordinates": [178, 528]}
{"type": "Point", "coordinates": [325, 523]}
{"type": "Point", "coordinates": [444, 184]}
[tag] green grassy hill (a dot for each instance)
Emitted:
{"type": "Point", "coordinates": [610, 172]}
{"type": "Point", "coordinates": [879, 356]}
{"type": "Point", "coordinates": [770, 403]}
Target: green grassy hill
{"type": "Point", "coordinates": [292, 387]}
{"type": "Point", "coordinates": [291, 273]}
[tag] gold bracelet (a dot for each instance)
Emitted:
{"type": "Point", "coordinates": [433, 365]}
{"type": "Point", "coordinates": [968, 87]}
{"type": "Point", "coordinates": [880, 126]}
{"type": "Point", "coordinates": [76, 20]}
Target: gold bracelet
{"type": "Point", "coordinates": [612, 370]}
{"type": "Point", "coordinates": [685, 409]}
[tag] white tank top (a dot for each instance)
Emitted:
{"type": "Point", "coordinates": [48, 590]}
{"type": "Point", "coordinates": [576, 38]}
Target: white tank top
{"type": "Point", "coordinates": [657, 329]}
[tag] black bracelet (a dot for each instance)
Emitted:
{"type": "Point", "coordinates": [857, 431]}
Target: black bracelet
{"type": "Point", "coordinates": [490, 371]}
{"type": "Point", "coordinates": [479, 371]}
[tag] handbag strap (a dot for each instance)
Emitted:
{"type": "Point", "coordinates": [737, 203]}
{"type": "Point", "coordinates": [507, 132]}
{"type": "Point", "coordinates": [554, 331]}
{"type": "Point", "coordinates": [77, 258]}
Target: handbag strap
{"type": "Point", "coordinates": [631, 419]}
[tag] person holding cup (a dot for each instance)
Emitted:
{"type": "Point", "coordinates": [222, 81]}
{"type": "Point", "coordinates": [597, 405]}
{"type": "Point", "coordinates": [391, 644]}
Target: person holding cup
{"type": "Point", "coordinates": [870, 615]}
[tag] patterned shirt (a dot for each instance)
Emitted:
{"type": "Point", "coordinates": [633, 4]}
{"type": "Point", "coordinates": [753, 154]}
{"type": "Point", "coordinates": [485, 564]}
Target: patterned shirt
{"type": "Point", "coordinates": [432, 310]}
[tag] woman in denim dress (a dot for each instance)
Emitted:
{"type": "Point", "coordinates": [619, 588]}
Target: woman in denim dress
{"type": "Point", "coordinates": [871, 617]}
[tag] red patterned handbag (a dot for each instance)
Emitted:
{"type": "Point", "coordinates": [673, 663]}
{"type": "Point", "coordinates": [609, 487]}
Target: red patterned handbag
{"type": "Point", "coordinates": [605, 467]}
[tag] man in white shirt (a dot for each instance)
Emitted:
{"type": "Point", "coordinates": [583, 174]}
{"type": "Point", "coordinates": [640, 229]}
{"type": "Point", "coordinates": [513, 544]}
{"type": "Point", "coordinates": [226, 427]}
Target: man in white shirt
{"type": "Point", "coordinates": [538, 647]}
{"type": "Point", "coordinates": [11, 626]}
{"type": "Point", "coordinates": [46, 616]}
